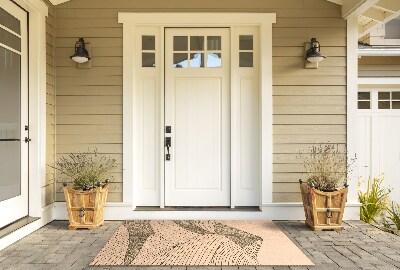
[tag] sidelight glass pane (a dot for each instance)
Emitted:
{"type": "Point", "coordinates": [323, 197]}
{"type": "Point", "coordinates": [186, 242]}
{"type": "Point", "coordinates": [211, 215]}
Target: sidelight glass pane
{"type": "Point", "coordinates": [9, 21]}
{"type": "Point", "coordinates": [148, 59]}
{"type": "Point", "coordinates": [214, 43]}
{"type": "Point", "coordinates": [246, 42]}
{"type": "Point", "coordinates": [364, 95]}
{"type": "Point", "coordinates": [10, 123]}
{"type": "Point", "coordinates": [364, 105]}
{"type": "Point", "coordinates": [214, 60]}
{"type": "Point", "coordinates": [10, 40]}
{"type": "Point", "coordinates": [180, 60]}
{"type": "Point", "coordinates": [197, 60]}
{"type": "Point", "coordinates": [180, 43]}
{"type": "Point", "coordinates": [148, 43]}
{"type": "Point", "coordinates": [245, 59]}
{"type": "Point", "coordinates": [197, 43]}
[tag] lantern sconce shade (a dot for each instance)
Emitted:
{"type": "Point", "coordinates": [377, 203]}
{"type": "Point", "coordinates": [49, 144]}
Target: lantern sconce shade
{"type": "Point", "coordinates": [81, 55]}
{"type": "Point", "coordinates": [313, 54]}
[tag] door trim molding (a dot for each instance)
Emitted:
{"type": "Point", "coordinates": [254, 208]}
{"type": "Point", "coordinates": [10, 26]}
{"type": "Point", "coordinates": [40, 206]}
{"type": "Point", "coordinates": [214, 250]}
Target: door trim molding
{"type": "Point", "coordinates": [131, 146]}
{"type": "Point", "coordinates": [37, 12]}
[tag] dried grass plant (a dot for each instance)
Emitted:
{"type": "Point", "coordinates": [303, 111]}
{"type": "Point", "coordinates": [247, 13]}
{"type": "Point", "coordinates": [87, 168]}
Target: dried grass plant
{"type": "Point", "coordinates": [85, 169]}
{"type": "Point", "coordinates": [326, 167]}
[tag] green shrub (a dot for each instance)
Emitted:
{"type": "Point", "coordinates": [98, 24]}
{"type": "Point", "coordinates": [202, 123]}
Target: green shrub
{"type": "Point", "coordinates": [374, 200]}
{"type": "Point", "coordinates": [393, 214]}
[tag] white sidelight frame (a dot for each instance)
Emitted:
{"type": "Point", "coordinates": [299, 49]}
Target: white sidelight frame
{"type": "Point", "coordinates": [131, 143]}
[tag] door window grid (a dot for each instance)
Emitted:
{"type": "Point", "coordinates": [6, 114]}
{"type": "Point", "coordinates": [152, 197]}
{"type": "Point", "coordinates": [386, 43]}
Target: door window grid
{"type": "Point", "coordinates": [246, 50]}
{"type": "Point", "coordinates": [197, 52]}
{"type": "Point", "coordinates": [379, 100]}
{"type": "Point", "coordinates": [148, 51]}
{"type": "Point", "coordinates": [364, 100]}
{"type": "Point", "coordinates": [389, 100]}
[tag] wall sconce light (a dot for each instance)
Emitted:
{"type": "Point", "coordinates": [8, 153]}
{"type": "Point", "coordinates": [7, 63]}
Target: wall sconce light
{"type": "Point", "coordinates": [313, 54]}
{"type": "Point", "coordinates": [81, 54]}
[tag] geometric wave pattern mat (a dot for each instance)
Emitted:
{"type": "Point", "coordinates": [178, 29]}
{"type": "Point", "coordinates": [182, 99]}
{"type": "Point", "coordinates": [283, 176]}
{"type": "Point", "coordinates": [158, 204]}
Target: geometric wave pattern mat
{"type": "Point", "coordinates": [199, 242]}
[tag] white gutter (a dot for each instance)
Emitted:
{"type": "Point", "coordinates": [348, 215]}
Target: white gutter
{"type": "Point", "coordinates": [379, 52]}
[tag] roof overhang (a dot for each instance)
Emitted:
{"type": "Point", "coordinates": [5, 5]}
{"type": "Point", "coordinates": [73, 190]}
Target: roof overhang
{"type": "Point", "coordinates": [371, 13]}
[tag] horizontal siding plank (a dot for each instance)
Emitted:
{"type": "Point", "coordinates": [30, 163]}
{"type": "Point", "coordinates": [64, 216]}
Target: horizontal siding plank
{"type": "Point", "coordinates": [309, 138]}
{"type": "Point", "coordinates": [105, 80]}
{"type": "Point", "coordinates": [285, 148]}
{"type": "Point", "coordinates": [286, 197]}
{"type": "Point", "coordinates": [89, 129]}
{"type": "Point", "coordinates": [301, 90]}
{"type": "Point", "coordinates": [88, 119]}
{"type": "Point", "coordinates": [299, 51]}
{"type": "Point", "coordinates": [309, 119]}
{"type": "Point", "coordinates": [309, 130]}
{"type": "Point", "coordinates": [89, 139]}
{"type": "Point", "coordinates": [89, 109]}
{"type": "Point", "coordinates": [94, 71]}
{"type": "Point", "coordinates": [85, 90]}
{"type": "Point", "coordinates": [88, 100]}
{"type": "Point", "coordinates": [299, 61]}
{"type": "Point", "coordinates": [320, 110]}
{"type": "Point", "coordinates": [76, 148]}
{"type": "Point", "coordinates": [309, 100]}
{"type": "Point", "coordinates": [310, 80]}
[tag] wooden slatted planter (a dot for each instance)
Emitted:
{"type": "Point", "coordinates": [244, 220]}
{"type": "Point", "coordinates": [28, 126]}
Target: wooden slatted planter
{"type": "Point", "coordinates": [323, 210]}
{"type": "Point", "coordinates": [86, 208]}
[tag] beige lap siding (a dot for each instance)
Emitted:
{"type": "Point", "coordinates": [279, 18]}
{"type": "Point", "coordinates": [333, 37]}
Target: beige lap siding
{"type": "Point", "coordinates": [49, 187]}
{"type": "Point", "coordinates": [379, 66]}
{"type": "Point", "coordinates": [309, 104]}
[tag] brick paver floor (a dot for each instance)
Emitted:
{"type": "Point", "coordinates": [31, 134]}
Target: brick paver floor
{"type": "Point", "coordinates": [358, 246]}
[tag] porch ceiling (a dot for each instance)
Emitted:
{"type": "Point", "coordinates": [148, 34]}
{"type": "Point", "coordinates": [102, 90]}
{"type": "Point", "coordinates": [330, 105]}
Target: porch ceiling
{"type": "Point", "coordinates": [371, 13]}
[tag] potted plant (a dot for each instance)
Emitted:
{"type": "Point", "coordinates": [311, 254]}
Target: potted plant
{"type": "Point", "coordinates": [324, 192]}
{"type": "Point", "coordinates": [87, 196]}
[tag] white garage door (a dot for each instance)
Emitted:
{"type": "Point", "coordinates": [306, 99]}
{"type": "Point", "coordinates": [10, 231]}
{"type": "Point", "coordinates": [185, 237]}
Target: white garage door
{"type": "Point", "coordinates": [379, 136]}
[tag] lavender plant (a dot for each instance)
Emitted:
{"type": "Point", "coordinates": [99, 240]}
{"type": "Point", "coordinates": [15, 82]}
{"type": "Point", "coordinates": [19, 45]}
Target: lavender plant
{"type": "Point", "coordinates": [326, 167]}
{"type": "Point", "coordinates": [85, 169]}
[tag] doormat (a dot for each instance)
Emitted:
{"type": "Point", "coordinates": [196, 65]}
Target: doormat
{"type": "Point", "coordinates": [180, 242]}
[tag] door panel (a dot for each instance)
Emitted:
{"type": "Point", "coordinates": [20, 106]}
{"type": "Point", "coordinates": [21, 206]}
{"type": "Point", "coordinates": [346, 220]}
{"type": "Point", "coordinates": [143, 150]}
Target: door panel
{"type": "Point", "coordinates": [197, 107]}
{"type": "Point", "coordinates": [389, 153]}
{"type": "Point", "coordinates": [13, 113]}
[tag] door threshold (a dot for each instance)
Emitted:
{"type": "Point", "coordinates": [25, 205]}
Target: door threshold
{"type": "Point", "coordinates": [201, 208]}
{"type": "Point", "coordinates": [8, 229]}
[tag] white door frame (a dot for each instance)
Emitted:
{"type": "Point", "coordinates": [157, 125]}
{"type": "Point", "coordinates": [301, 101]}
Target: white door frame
{"type": "Point", "coordinates": [131, 119]}
{"type": "Point", "coordinates": [37, 12]}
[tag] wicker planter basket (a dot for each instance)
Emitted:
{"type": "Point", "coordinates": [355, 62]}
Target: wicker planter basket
{"type": "Point", "coordinates": [86, 208]}
{"type": "Point", "coordinates": [323, 210]}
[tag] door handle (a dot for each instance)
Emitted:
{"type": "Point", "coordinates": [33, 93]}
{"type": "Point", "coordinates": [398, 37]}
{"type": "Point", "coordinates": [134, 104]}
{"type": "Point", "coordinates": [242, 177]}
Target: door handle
{"type": "Point", "coordinates": [27, 139]}
{"type": "Point", "coordinates": [168, 145]}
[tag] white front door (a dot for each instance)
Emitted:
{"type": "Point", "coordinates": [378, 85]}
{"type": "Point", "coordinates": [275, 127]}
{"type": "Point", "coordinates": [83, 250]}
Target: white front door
{"type": "Point", "coordinates": [379, 133]}
{"type": "Point", "coordinates": [197, 110]}
{"type": "Point", "coordinates": [13, 113]}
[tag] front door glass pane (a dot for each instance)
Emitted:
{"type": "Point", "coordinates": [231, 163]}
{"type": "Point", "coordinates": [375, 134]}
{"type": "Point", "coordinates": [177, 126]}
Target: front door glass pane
{"type": "Point", "coordinates": [10, 124]}
{"type": "Point", "coordinates": [9, 21]}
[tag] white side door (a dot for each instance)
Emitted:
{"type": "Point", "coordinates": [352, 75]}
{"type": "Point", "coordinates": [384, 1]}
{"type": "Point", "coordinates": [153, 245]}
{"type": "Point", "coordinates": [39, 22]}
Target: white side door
{"type": "Point", "coordinates": [13, 113]}
{"type": "Point", "coordinates": [197, 108]}
{"type": "Point", "coordinates": [379, 133]}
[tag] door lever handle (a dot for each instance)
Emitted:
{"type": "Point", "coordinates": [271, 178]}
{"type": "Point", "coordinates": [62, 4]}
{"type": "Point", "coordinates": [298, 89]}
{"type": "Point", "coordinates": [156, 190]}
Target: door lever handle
{"type": "Point", "coordinates": [168, 145]}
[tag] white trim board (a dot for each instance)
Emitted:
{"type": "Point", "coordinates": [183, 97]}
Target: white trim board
{"type": "Point", "coordinates": [270, 211]}
{"type": "Point", "coordinates": [378, 80]}
{"type": "Point", "coordinates": [132, 125]}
